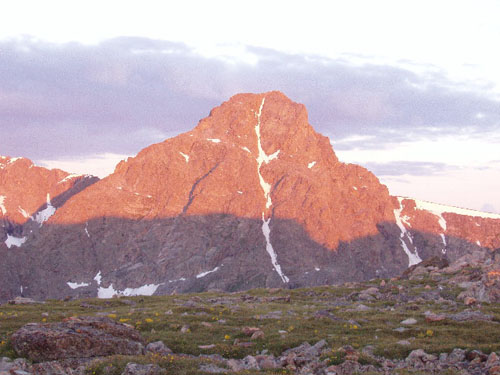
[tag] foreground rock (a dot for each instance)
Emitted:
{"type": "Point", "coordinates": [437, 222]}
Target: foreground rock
{"type": "Point", "coordinates": [82, 337]}
{"type": "Point", "coordinates": [303, 359]}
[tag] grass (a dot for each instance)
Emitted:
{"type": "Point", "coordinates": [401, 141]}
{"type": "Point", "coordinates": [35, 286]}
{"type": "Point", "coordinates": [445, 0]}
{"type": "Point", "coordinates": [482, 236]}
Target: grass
{"type": "Point", "coordinates": [311, 314]}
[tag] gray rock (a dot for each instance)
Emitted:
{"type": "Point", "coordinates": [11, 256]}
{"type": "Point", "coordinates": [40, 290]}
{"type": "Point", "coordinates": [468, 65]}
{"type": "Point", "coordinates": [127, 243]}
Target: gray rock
{"type": "Point", "coordinates": [468, 315]}
{"type": "Point", "coordinates": [247, 363]}
{"type": "Point", "coordinates": [158, 347]}
{"type": "Point", "coordinates": [138, 369]}
{"type": "Point", "coordinates": [456, 356]}
{"type": "Point", "coordinates": [371, 291]}
{"type": "Point", "coordinates": [362, 307]}
{"type": "Point", "coordinates": [418, 358]}
{"type": "Point", "coordinates": [493, 360]}
{"type": "Point", "coordinates": [267, 362]}
{"type": "Point", "coordinates": [213, 369]}
{"type": "Point", "coordinates": [404, 343]}
{"type": "Point", "coordinates": [409, 321]}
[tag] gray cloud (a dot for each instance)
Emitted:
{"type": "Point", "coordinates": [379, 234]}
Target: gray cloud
{"type": "Point", "coordinates": [397, 168]}
{"type": "Point", "coordinates": [123, 94]}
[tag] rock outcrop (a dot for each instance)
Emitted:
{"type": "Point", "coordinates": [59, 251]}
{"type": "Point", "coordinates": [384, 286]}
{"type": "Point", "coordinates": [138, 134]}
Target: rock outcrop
{"type": "Point", "coordinates": [83, 337]}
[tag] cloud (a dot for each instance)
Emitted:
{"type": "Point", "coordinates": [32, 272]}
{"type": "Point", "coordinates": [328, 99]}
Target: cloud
{"type": "Point", "coordinates": [68, 100]}
{"type": "Point", "coordinates": [99, 165]}
{"type": "Point", "coordinates": [412, 168]}
{"type": "Point", "coordinates": [467, 187]}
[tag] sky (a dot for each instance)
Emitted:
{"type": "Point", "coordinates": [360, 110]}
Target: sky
{"type": "Point", "coordinates": [408, 89]}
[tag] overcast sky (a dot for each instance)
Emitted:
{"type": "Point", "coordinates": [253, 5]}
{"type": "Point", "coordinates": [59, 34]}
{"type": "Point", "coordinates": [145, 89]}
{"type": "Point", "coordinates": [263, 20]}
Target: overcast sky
{"type": "Point", "coordinates": [408, 89]}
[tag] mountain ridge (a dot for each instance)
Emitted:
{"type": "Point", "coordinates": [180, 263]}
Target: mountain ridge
{"type": "Point", "coordinates": [252, 197]}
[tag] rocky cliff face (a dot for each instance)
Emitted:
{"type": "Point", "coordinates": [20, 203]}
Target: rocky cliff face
{"type": "Point", "coordinates": [252, 197]}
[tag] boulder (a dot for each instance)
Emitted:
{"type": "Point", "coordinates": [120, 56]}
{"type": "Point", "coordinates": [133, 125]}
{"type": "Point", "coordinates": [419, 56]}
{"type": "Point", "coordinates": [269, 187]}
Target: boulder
{"type": "Point", "coordinates": [409, 321]}
{"type": "Point", "coordinates": [249, 331]}
{"type": "Point", "coordinates": [82, 337]}
{"type": "Point", "coordinates": [158, 347]}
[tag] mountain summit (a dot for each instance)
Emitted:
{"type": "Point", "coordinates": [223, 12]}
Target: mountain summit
{"type": "Point", "coordinates": [251, 197]}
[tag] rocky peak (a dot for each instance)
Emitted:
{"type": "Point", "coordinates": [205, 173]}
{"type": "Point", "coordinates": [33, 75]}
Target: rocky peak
{"type": "Point", "coordinates": [255, 156]}
{"type": "Point", "coordinates": [284, 127]}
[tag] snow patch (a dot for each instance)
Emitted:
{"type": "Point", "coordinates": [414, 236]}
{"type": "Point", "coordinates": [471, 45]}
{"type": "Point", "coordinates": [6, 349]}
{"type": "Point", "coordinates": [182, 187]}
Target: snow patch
{"type": "Point", "coordinates": [214, 140]}
{"type": "Point", "coordinates": [443, 238]}
{"type": "Point", "coordinates": [44, 215]}
{"type": "Point", "coordinates": [98, 278]}
{"type": "Point", "coordinates": [355, 188]}
{"type": "Point", "coordinates": [186, 157]}
{"type": "Point", "coordinates": [311, 164]}
{"type": "Point", "coordinates": [77, 285]}
{"type": "Point", "coordinates": [412, 258]}
{"type": "Point", "coordinates": [263, 158]}
{"type": "Point", "coordinates": [478, 243]}
{"type": "Point", "coordinates": [2, 202]}
{"type": "Point", "coordinates": [108, 292]}
{"type": "Point", "coordinates": [316, 269]}
{"type": "Point", "coordinates": [438, 209]}
{"type": "Point", "coordinates": [270, 250]}
{"type": "Point", "coordinates": [13, 160]}
{"type": "Point", "coordinates": [240, 192]}
{"type": "Point", "coordinates": [23, 212]}
{"type": "Point", "coordinates": [405, 219]}
{"type": "Point", "coordinates": [203, 274]}
{"type": "Point", "coordinates": [266, 230]}
{"type": "Point", "coordinates": [69, 177]}
{"type": "Point", "coordinates": [86, 229]}
{"type": "Point", "coordinates": [14, 241]}
{"type": "Point", "coordinates": [246, 149]}
{"type": "Point", "coordinates": [173, 281]}
{"type": "Point", "coordinates": [145, 290]}
{"type": "Point", "coordinates": [438, 214]}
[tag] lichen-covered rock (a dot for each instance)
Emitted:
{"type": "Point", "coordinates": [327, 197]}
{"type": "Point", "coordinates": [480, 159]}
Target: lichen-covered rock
{"type": "Point", "coordinates": [82, 337]}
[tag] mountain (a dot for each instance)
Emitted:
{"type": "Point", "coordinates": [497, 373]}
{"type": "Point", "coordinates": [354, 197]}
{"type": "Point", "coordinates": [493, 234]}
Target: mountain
{"type": "Point", "coordinates": [251, 197]}
{"type": "Point", "coordinates": [29, 196]}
